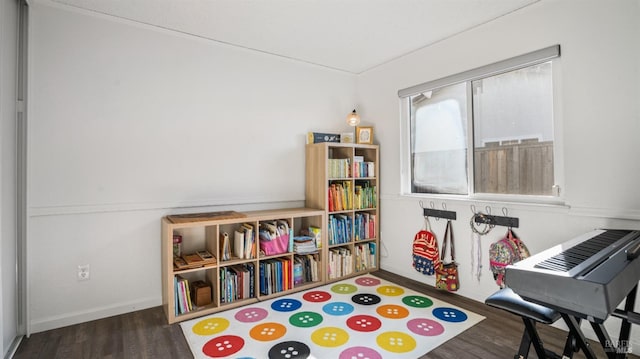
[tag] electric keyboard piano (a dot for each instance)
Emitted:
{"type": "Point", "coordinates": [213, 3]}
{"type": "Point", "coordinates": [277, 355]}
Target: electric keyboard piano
{"type": "Point", "coordinates": [587, 277]}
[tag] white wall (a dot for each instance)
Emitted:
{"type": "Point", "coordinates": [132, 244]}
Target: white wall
{"type": "Point", "coordinates": [599, 113]}
{"type": "Point", "coordinates": [8, 286]}
{"type": "Point", "coordinates": [129, 123]}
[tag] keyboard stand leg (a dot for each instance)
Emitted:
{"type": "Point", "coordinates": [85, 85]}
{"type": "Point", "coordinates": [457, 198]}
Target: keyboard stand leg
{"type": "Point", "coordinates": [533, 338]}
{"type": "Point", "coordinates": [525, 343]}
{"type": "Point", "coordinates": [613, 351]}
{"type": "Point", "coordinates": [625, 327]}
{"type": "Point", "coordinates": [574, 329]}
{"type": "Point", "coordinates": [570, 345]}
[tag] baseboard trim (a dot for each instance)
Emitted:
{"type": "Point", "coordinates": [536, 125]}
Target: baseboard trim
{"type": "Point", "coordinates": [92, 314]}
{"type": "Point", "coordinates": [13, 347]}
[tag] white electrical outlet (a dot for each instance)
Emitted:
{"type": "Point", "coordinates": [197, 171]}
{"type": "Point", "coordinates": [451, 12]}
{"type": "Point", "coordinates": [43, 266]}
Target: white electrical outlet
{"type": "Point", "coordinates": [83, 272]}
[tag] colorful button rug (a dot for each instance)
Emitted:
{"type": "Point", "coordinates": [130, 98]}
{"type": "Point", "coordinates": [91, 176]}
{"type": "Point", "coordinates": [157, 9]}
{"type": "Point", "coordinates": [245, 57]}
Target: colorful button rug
{"type": "Point", "coordinates": [361, 317]}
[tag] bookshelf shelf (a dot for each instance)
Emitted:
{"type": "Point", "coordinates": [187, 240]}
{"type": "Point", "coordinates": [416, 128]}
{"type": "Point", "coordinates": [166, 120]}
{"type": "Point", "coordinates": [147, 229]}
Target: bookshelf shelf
{"type": "Point", "coordinates": [243, 266]}
{"type": "Point", "coordinates": [342, 180]}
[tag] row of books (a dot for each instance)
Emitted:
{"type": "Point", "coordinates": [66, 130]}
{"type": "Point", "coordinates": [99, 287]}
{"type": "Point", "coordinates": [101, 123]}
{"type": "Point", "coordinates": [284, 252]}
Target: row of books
{"type": "Point", "coordinates": [342, 261]}
{"type": "Point", "coordinates": [365, 256]}
{"type": "Point", "coordinates": [339, 262]}
{"type": "Point", "coordinates": [340, 196]}
{"type": "Point", "coordinates": [339, 227]}
{"type": "Point", "coordinates": [182, 295]}
{"type": "Point", "coordinates": [305, 268]}
{"type": "Point", "coordinates": [362, 168]}
{"type": "Point", "coordinates": [275, 275]}
{"type": "Point", "coordinates": [364, 195]}
{"type": "Point", "coordinates": [364, 226]}
{"type": "Point", "coordinates": [339, 168]}
{"type": "Point", "coordinates": [236, 282]}
{"type": "Point", "coordinates": [242, 246]}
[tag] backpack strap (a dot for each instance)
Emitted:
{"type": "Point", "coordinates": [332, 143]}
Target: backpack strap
{"type": "Point", "coordinates": [448, 237]}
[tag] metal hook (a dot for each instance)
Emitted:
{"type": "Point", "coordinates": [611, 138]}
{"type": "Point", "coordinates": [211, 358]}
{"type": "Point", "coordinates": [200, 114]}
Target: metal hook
{"type": "Point", "coordinates": [433, 206]}
{"type": "Point", "coordinates": [421, 204]}
{"type": "Point", "coordinates": [473, 208]}
{"type": "Point", "coordinates": [488, 209]}
{"type": "Point", "coordinates": [505, 211]}
{"type": "Point", "coordinates": [444, 206]}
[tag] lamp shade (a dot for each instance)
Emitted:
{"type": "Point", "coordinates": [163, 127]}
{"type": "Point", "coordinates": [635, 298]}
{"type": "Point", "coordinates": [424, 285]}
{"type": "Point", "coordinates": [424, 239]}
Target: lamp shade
{"type": "Point", "coordinates": [353, 119]}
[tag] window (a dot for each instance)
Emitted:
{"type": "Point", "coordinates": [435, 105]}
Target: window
{"type": "Point", "coordinates": [486, 131]}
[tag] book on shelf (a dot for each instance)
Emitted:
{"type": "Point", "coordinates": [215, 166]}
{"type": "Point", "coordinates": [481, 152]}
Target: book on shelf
{"type": "Point", "coordinates": [340, 262]}
{"type": "Point", "coordinates": [249, 240]}
{"type": "Point", "coordinates": [364, 195]}
{"type": "Point", "coordinates": [364, 226]}
{"type": "Point", "coordinates": [305, 268]}
{"type": "Point", "coordinates": [339, 228]}
{"type": "Point", "coordinates": [225, 246]}
{"type": "Point", "coordinates": [297, 273]}
{"type": "Point", "coordinates": [244, 242]}
{"type": "Point", "coordinates": [275, 275]}
{"type": "Point", "coordinates": [183, 297]}
{"type": "Point", "coordinates": [362, 168]}
{"type": "Point", "coordinates": [238, 244]}
{"type": "Point", "coordinates": [236, 282]}
{"type": "Point", "coordinates": [340, 196]}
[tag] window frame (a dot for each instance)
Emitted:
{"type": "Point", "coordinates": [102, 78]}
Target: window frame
{"type": "Point", "coordinates": [551, 53]}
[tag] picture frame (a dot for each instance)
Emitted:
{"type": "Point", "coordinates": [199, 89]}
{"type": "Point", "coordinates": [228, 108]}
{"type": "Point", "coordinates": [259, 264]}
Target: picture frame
{"type": "Point", "coordinates": [364, 135]}
{"type": "Point", "coordinates": [346, 137]}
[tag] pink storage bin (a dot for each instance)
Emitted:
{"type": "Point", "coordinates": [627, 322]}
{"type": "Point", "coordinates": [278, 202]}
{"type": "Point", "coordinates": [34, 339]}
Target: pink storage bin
{"type": "Point", "coordinates": [275, 246]}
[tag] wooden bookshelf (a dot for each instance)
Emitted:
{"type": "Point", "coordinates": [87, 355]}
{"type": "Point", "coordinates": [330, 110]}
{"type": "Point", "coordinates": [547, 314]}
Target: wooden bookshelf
{"type": "Point", "coordinates": [350, 173]}
{"type": "Point", "coordinates": [205, 233]}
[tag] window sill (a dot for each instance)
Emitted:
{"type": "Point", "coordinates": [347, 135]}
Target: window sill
{"type": "Point", "coordinates": [480, 201]}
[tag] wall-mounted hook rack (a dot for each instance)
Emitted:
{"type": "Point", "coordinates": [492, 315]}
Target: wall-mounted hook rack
{"type": "Point", "coordinates": [439, 213]}
{"type": "Point", "coordinates": [511, 222]}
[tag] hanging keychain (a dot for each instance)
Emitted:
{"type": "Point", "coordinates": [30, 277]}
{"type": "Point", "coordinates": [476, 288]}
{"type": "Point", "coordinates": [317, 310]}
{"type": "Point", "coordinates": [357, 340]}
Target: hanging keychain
{"type": "Point", "coordinates": [476, 247]}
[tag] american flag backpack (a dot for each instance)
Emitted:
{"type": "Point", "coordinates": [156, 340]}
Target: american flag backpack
{"type": "Point", "coordinates": [426, 258]}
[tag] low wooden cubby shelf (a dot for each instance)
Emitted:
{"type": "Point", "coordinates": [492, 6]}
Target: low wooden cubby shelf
{"type": "Point", "coordinates": [206, 233]}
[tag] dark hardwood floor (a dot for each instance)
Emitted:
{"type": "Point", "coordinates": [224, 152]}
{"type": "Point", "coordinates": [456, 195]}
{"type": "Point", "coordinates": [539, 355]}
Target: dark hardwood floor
{"type": "Point", "coordinates": [146, 334]}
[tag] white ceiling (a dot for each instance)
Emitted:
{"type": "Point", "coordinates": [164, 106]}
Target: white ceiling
{"type": "Point", "coordinates": [347, 35]}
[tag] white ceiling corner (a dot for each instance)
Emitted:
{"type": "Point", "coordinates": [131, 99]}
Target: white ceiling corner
{"type": "Point", "coordinates": [347, 35]}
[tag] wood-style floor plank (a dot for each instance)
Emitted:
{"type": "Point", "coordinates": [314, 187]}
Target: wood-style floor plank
{"type": "Point", "coordinates": [146, 334]}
